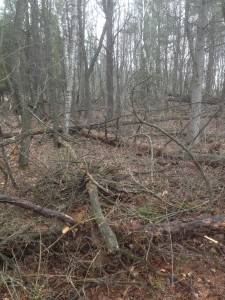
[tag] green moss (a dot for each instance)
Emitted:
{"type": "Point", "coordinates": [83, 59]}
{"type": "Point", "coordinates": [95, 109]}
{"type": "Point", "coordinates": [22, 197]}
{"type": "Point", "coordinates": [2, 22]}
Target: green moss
{"type": "Point", "coordinates": [150, 212]}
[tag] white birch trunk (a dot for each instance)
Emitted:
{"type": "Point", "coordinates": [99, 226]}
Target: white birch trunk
{"type": "Point", "coordinates": [68, 25]}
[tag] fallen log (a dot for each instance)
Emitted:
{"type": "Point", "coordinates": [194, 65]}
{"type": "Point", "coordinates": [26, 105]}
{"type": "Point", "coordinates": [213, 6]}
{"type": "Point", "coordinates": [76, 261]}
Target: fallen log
{"type": "Point", "coordinates": [17, 134]}
{"type": "Point", "coordinates": [103, 225]}
{"type": "Point", "coordinates": [214, 160]}
{"type": "Point", "coordinates": [13, 137]}
{"type": "Point", "coordinates": [187, 228]}
{"type": "Point", "coordinates": [113, 140]}
{"type": "Point", "coordinates": [208, 159]}
{"type": "Point", "coordinates": [148, 148]}
{"type": "Point", "coordinates": [178, 229]}
{"type": "Point", "coordinates": [206, 99]}
{"type": "Point", "coordinates": [101, 136]}
{"type": "Point", "coordinates": [43, 211]}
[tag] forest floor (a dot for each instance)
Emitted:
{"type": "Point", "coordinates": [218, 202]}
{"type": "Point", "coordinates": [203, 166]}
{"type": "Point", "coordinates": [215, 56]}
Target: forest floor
{"type": "Point", "coordinates": [38, 260]}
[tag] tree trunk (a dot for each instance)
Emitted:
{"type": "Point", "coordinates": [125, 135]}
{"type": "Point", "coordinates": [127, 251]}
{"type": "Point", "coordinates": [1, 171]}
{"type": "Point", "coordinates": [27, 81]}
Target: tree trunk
{"type": "Point", "coordinates": [18, 82]}
{"type": "Point", "coordinates": [223, 88]}
{"type": "Point", "coordinates": [68, 33]}
{"type": "Point", "coordinates": [38, 101]}
{"type": "Point", "coordinates": [197, 55]}
{"type": "Point", "coordinates": [210, 74]}
{"type": "Point", "coordinates": [108, 7]}
{"type": "Point", "coordinates": [83, 80]}
{"type": "Point", "coordinates": [51, 88]}
{"type": "Point", "coordinates": [85, 70]}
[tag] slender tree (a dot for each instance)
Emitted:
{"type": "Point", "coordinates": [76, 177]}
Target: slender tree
{"type": "Point", "coordinates": [67, 13]}
{"type": "Point", "coordinates": [86, 67]}
{"type": "Point", "coordinates": [18, 79]}
{"type": "Point", "coordinates": [38, 99]}
{"type": "Point", "coordinates": [51, 81]}
{"type": "Point", "coordinates": [197, 51]}
{"type": "Point", "coordinates": [223, 88]}
{"type": "Point", "coordinates": [108, 7]}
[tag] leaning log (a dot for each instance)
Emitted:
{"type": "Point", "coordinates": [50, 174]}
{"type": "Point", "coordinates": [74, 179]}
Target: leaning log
{"type": "Point", "coordinates": [103, 225]}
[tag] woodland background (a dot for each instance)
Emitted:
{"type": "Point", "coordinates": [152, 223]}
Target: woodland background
{"type": "Point", "coordinates": [112, 122]}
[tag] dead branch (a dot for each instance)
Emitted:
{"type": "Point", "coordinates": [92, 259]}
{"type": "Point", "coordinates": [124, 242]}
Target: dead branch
{"type": "Point", "coordinates": [15, 136]}
{"type": "Point", "coordinates": [213, 160]}
{"type": "Point", "coordinates": [185, 229]}
{"type": "Point", "coordinates": [178, 229]}
{"type": "Point", "coordinates": [190, 154]}
{"type": "Point", "coordinates": [113, 140]}
{"type": "Point", "coordinates": [43, 211]}
{"type": "Point", "coordinates": [107, 191]}
{"type": "Point", "coordinates": [12, 137]}
{"type": "Point", "coordinates": [107, 233]}
{"type": "Point", "coordinates": [94, 134]}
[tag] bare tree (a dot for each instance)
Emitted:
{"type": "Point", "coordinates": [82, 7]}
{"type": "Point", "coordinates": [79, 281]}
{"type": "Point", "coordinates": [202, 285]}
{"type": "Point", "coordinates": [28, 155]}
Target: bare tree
{"type": "Point", "coordinates": [223, 89]}
{"type": "Point", "coordinates": [67, 14]}
{"type": "Point", "coordinates": [108, 7]}
{"type": "Point", "coordinates": [18, 80]}
{"type": "Point", "coordinates": [86, 68]}
{"type": "Point", "coordinates": [50, 76]}
{"type": "Point", "coordinates": [38, 101]}
{"type": "Point", "coordinates": [197, 51]}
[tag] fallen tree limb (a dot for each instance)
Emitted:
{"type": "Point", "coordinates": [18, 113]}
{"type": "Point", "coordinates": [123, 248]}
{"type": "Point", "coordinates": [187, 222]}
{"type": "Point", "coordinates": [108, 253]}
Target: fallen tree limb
{"type": "Point", "coordinates": [153, 119]}
{"type": "Point", "coordinates": [43, 211]}
{"type": "Point", "coordinates": [178, 229]}
{"type": "Point", "coordinates": [209, 159]}
{"type": "Point", "coordinates": [13, 137]}
{"type": "Point", "coordinates": [16, 135]}
{"type": "Point", "coordinates": [113, 140]}
{"type": "Point", "coordinates": [101, 136]}
{"type": "Point", "coordinates": [106, 232]}
{"type": "Point", "coordinates": [214, 160]}
{"type": "Point", "coordinates": [187, 228]}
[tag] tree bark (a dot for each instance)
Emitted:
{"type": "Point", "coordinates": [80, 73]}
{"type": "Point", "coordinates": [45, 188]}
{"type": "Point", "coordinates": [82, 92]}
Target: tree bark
{"type": "Point", "coordinates": [85, 70]}
{"type": "Point", "coordinates": [43, 211]}
{"type": "Point", "coordinates": [177, 230]}
{"type": "Point", "coordinates": [223, 88]}
{"type": "Point", "coordinates": [108, 7]}
{"type": "Point", "coordinates": [197, 54]}
{"type": "Point", "coordinates": [38, 101]}
{"type": "Point", "coordinates": [68, 34]}
{"type": "Point", "coordinates": [107, 233]}
{"type": "Point", "coordinates": [51, 87]}
{"type": "Point", "coordinates": [187, 228]}
{"type": "Point", "coordinates": [18, 82]}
